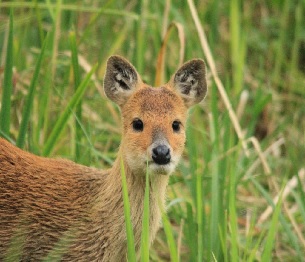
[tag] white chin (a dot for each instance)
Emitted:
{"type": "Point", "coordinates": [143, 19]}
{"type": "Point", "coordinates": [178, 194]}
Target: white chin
{"type": "Point", "coordinates": [161, 169]}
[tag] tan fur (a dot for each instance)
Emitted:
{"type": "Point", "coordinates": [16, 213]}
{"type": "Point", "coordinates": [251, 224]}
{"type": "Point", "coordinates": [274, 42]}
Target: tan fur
{"type": "Point", "coordinates": [64, 211]}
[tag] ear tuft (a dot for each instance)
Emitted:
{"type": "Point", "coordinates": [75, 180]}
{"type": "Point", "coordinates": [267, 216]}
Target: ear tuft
{"type": "Point", "coordinates": [190, 81]}
{"type": "Point", "coordinates": [121, 79]}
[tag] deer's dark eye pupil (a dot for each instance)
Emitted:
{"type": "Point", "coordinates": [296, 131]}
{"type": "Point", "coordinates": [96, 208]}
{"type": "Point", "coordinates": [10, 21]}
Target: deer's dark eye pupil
{"type": "Point", "coordinates": [137, 125]}
{"type": "Point", "coordinates": [176, 126]}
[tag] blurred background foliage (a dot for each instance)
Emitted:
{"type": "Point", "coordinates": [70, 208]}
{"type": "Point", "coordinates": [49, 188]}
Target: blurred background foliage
{"type": "Point", "coordinates": [222, 200]}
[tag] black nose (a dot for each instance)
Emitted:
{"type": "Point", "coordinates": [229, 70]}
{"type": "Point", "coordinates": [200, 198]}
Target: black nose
{"type": "Point", "coordinates": [161, 155]}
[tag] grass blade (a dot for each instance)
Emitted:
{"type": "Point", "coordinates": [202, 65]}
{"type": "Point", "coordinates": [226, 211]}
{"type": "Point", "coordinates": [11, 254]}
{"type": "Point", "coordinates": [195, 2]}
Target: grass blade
{"type": "Point", "coordinates": [60, 247]}
{"type": "Point", "coordinates": [30, 98]}
{"type": "Point", "coordinates": [5, 116]}
{"type": "Point", "coordinates": [170, 238]}
{"type": "Point", "coordinates": [145, 223]}
{"type": "Point", "coordinates": [45, 96]}
{"type": "Point", "coordinates": [131, 253]}
{"type": "Point", "coordinates": [197, 194]}
{"type": "Point", "coordinates": [141, 26]}
{"type": "Point", "coordinates": [215, 186]}
{"type": "Point", "coordinates": [199, 215]}
{"type": "Point", "coordinates": [282, 219]}
{"type": "Point", "coordinates": [236, 45]}
{"type": "Point", "coordinates": [233, 217]}
{"type": "Point", "coordinates": [76, 74]}
{"type": "Point", "coordinates": [191, 231]}
{"type": "Point", "coordinates": [63, 119]}
{"type": "Point", "coordinates": [15, 248]}
{"type": "Point", "coordinates": [267, 254]}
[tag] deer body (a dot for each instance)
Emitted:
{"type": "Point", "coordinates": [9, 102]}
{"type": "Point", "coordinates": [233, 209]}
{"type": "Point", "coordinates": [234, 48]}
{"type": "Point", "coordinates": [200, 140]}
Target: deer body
{"type": "Point", "coordinates": [57, 209]}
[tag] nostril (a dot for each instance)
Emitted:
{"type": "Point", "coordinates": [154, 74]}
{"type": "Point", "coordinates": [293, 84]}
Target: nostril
{"type": "Point", "coordinates": [161, 155]}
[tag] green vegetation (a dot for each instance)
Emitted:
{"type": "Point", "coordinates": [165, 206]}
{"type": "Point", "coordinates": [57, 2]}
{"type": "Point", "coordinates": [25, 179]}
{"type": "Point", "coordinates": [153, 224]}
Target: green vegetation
{"type": "Point", "coordinates": [239, 191]}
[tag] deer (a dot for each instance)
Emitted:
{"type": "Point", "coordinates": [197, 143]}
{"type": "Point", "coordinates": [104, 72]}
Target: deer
{"type": "Point", "coordinates": [57, 209]}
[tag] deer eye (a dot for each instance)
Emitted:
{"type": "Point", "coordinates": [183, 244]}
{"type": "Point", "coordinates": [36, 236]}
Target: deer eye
{"type": "Point", "coordinates": [137, 125]}
{"type": "Point", "coordinates": [176, 126]}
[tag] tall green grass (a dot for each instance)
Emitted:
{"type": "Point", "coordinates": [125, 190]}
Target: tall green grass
{"type": "Point", "coordinates": [52, 103]}
{"type": "Point", "coordinates": [145, 237]}
{"type": "Point", "coordinates": [64, 117]}
{"type": "Point", "coordinates": [131, 252]}
{"type": "Point", "coordinates": [7, 87]}
{"type": "Point", "coordinates": [77, 81]}
{"type": "Point", "coordinates": [30, 99]}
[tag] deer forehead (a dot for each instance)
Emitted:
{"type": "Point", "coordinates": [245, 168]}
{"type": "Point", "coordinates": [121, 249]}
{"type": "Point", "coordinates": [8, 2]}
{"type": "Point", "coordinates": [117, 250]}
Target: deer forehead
{"type": "Point", "coordinates": [157, 103]}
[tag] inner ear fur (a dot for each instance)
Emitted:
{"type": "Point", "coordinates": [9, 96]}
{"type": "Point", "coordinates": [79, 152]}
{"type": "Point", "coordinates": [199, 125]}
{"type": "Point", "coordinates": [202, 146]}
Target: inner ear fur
{"type": "Point", "coordinates": [190, 81]}
{"type": "Point", "coordinates": [121, 79]}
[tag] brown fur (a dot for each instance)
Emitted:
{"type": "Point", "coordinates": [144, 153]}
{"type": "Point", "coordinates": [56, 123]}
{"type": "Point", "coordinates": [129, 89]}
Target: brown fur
{"type": "Point", "coordinates": [64, 211]}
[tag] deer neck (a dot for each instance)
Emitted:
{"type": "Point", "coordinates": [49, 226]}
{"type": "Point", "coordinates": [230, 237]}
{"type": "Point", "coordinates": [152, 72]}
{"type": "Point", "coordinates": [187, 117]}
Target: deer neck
{"type": "Point", "coordinates": [136, 191]}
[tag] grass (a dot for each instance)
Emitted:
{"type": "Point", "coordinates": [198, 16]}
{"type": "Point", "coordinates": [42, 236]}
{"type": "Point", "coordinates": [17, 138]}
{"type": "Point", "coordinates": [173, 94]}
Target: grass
{"type": "Point", "coordinates": [245, 143]}
{"type": "Point", "coordinates": [129, 231]}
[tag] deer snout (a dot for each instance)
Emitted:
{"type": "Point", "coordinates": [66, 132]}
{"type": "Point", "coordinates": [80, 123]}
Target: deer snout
{"type": "Point", "coordinates": [161, 154]}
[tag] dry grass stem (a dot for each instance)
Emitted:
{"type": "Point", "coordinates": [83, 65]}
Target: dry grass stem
{"type": "Point", "coordinates": [165, 17]}
{"type": "Point", "coordinates": [274, 147]}
{"type": "Point", "coordinates": [291, 184]}
{"type": "Point", "coordinates": [242, 103]}
{"type": "Point", "coordinates": [212, 65]}
{"type": "Point", "coordinates": [261, 156]}
{"type": "Point", "coordinates": [161, 55]}
{"type": "Point", "coordinates": [295, 225]}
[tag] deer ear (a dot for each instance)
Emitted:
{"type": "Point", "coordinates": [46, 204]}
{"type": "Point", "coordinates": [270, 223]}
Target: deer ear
{"type": "Point", "coordinates": [190, 82]}
{"type": "Point", "coordinates": [121, 80]}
